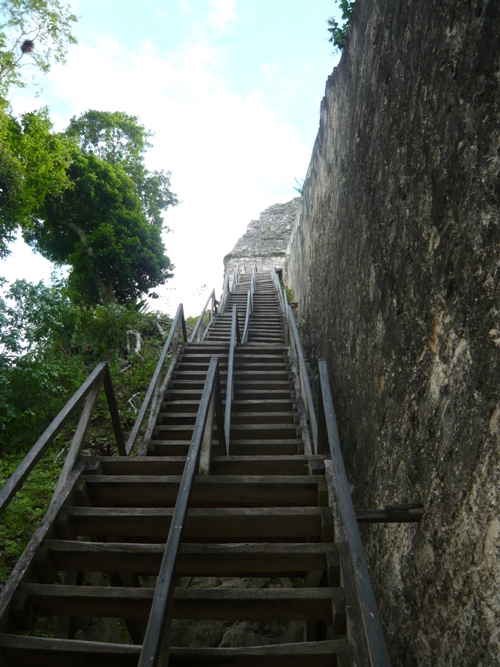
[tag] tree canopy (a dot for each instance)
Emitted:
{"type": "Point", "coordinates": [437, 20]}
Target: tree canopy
{"type": "Point", "coordinates": [118, 138]}
{"type": "Point", "coordinates": [33, 35]}
{"type": "Point", "coordinates": [97, 225]}
{"type": "Point", "coordinates": [83, 198]}
{"type": "Point", "coordinates": [33, 163]}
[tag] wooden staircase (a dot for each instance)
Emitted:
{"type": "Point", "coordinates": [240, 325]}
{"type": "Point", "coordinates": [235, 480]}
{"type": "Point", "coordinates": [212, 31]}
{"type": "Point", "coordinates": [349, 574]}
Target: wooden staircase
{"type": "Point", "coordinates": [82, 592]}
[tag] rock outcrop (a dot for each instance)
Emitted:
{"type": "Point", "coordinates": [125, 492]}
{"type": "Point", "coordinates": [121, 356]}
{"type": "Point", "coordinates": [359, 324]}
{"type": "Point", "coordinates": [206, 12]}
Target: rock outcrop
{"type": "Point", "coordinates": [395, 263]}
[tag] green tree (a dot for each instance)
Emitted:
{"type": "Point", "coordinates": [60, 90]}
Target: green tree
{"type": "Point", "coordinates": [33, 35]}
{"type": "Point", "coordinates": [32, 319]}
{"type": "Point", "coordinates": [118, 138]}
{"type": "Point", "coordinates": [33, 163]}
{"type": "Point", "coordinates": [97, 225]}
{"type": "Point", "coordinates": [338, 30]}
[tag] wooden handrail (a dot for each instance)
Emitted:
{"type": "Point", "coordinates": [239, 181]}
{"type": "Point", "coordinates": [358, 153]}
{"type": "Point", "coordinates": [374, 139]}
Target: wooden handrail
{"type": "Point", "coordinates": [235, 338]}
{"type": "Point", "coordinates": [244, 337]}
{"type": "Point", "coordinates": [89, 392]}
{"type": "Point", "coordinates": [277, 284]}
{"type": "Point", "coordinates": [155, 647]}
{"type": "Point", "coordinates": [225, 292]}
{"type": "Point", "coordinates": [196, 335]}
{"type": "Point", "coordinates": [249, 312]}
{"type": "Point", "coordinates": [367, 639]}
{"type": "Point", "coordinates": [151, 397]}
{"type": "Point", "coordinates": [305, 385]}
{"type": "Point", "coordinates": [298, 354]}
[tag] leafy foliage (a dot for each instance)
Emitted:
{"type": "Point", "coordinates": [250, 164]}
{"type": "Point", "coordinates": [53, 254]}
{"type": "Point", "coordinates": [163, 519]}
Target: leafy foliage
{"type": "Point", "coordinates": [299, 185]}
{"type": "Point", "coordinates": [98, 227]}
{"type": "Point", "coordinates": [29, 506]}
{"type": "Point", "coordinates": [118, 138]}
{"type": "Point", "coordinates": [48, 346]}
{"type": "Point", "coordinates": [338, 30]}
{"type": "Point", "coordinates": [33, 162]}
{"type": "Point", "coordinates": [33, 35]}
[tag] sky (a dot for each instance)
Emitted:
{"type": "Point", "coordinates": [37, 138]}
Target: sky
{"type": "Point", "coordinates": [231, 90]}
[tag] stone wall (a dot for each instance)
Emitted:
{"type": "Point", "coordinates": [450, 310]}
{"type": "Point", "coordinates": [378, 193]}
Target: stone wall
{"type": "Point", "coordinates": [395, 263]}
{"type": "Point", "coordinates": [266, 239]}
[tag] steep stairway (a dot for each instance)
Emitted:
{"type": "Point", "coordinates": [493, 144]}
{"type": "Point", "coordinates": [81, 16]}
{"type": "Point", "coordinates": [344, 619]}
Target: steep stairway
{"type": "Point", "coordinates": [258, 541]}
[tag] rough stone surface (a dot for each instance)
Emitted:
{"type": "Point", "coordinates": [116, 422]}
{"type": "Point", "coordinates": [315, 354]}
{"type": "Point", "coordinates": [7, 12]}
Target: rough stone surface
{"type": "Point", "coordinates": [266, 239]}
{"type": "Point", "coordinates": [395, 264]}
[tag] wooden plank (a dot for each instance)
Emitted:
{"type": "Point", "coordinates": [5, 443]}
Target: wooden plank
{"type": "Point", "coordinates": [260, 465]}
{"type": "Point", "coordinates": [220, 465]}
{"type": "Point", "coordinates": [42, 652]}
{"type": "Point", "coordinates": [209, 560]}
{"type": "Point", "coordinates": [395, 514]}
{"type": "Point", "coordinates": [253, 604]}
{"type": "Point", "coordinates": [234, 524]}
{"type": "Point", "coordinates": [218, 490]}
{"type": "Point", "coordinates": [259, 604]}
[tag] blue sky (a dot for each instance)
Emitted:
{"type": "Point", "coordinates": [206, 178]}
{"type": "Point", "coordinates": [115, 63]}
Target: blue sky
{"type": "Point", "coordinates": [231, 89]}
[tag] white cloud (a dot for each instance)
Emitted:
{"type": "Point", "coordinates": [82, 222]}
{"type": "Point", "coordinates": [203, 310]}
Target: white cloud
{"type": "Point", "coordinates": [222, 12]}
{"type": "Point", "coordinates": [230, 155]}
{"type": "Point", "coordinates": [186, 7]}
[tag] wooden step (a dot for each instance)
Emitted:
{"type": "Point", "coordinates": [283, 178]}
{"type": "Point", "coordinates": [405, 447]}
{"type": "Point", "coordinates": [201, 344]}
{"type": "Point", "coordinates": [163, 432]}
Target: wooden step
{"type": "Point", "coordinates": [41, 651]}
{"type": "Point", "coordinates": [202, 560]}
{"type": "Point", "coordinates": [263, 405]}
{"type": "Point", "coordinates": [253, 395]}
{"type": "Point", "coordinates": [262, 524]}
{"type": "Point", "coordinates": [245, 604]}
{"type": "Point", "coordinates": [208, 490]}
{"type": "Point", "coordinates": [240, 447]}
{"type": "Point", "coordinates": [264, 431]}
{"type": "Point", "coordinates": [220, 465]}
{"type": "Point", "coordinates": [262, 418]}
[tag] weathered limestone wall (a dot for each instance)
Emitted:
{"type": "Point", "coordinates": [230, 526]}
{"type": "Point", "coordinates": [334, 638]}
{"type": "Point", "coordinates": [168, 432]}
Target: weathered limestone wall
{"type": "Point", "coordinates": [395, 264]}
{"type": "Point", "coordinates": [266, 239]}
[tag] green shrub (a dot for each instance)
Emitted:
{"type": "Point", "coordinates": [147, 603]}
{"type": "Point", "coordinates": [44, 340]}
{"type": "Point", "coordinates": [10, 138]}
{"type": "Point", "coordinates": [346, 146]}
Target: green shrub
{"type": "Point", "coordinates": [338, 31]}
